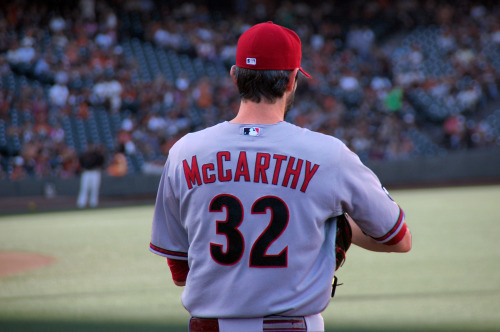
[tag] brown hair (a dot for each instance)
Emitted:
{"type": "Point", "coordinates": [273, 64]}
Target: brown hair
{"type": "Point", "coordinates": [261, 85]}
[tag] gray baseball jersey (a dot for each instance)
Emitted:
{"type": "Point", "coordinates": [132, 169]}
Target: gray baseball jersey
{"type": "Point", "coordinates": [252, 208]}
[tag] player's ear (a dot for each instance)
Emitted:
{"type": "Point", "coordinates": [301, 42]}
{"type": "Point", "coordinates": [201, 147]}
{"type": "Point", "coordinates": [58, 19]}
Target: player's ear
{"type": "Point", "coordinates": [233, 69]}
{"type": "Point", "coordinates": [292, 79]}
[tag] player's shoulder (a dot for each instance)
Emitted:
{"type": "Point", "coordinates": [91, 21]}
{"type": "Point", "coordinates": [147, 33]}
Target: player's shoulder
{"type": "Point", "coordinates": [318, 137]}
{"type": "Point", "coordinates": [196, 138]}
{"type": "Point", "coordinates": [204, 133]}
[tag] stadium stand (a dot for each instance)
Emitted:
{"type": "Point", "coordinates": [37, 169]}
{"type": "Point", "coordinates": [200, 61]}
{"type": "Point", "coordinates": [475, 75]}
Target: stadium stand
{"type": "Point", "coordinates": [392, 79]}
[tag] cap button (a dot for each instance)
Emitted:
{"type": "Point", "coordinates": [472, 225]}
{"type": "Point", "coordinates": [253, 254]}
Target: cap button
{"type": "Point", "coordinates": [271, 22]}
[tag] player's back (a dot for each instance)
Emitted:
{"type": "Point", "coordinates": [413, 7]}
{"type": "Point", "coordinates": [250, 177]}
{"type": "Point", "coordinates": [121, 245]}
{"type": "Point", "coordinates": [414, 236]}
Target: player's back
{"type": "Point", "coordinates": [257, 201]}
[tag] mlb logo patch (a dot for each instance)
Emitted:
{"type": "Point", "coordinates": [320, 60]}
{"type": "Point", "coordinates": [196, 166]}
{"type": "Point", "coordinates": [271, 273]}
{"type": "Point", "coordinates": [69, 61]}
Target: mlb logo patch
{"type": "Point", "coordinates": [251, 131]}
{"type": "Point", "coordinates": [251, 61]}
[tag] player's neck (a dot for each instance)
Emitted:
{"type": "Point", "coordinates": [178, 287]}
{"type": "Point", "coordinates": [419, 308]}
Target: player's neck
{"type": "Point", "coordinates": [260, 113]}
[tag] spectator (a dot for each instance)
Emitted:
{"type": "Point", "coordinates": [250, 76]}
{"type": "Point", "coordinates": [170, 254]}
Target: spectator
{"type": "Point", "coordinates": [18, 172]}
{"type": "Point", "coordinates": [118, 166]}
{"type": "Point", "coordinates": [455, 70]}
{"type": "Point", "coordinates": [59, 92]}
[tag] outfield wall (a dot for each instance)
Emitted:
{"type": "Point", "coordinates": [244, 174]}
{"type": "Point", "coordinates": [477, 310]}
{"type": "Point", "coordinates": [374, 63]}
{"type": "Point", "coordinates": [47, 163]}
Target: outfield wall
{"type": "Point", "coordinates": [455, 168]}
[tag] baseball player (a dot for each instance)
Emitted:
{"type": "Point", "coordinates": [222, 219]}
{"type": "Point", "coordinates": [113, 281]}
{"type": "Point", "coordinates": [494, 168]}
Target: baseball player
{"type": "Point", "coordinates": [92, 162]}
{"type": "Point", "coordinates": [246, 210]}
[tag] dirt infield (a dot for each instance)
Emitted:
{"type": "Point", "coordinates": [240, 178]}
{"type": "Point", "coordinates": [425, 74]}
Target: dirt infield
{"type": "Point", "coordinates": [16, 262]}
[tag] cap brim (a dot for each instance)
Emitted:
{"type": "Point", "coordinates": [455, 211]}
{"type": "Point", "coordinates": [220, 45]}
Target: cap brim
{"type": "Point", "coordinates": [304, 72]}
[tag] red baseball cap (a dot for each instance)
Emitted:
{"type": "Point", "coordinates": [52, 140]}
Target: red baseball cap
{"type": "Point", "coordinates": [268, 46]}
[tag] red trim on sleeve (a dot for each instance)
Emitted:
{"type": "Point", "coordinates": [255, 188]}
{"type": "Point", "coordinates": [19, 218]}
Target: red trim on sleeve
{"type": "Point", "coordinates": [398, 237]}
{"type": "Point", "coordinates": [179, 269]}
{"type": "Point", "coordinates": [168, 252]}
{"type": "Point", "coordinates": [394, 229]}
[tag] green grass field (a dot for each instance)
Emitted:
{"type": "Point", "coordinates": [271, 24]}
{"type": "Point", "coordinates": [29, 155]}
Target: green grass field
{"type": "Point", "coordinates": [105, 279]}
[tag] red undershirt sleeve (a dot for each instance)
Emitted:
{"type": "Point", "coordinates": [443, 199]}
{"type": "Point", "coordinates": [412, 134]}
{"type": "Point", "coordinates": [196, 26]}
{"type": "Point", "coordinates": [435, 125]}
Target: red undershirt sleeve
{"type": "Point", "coordinates": [179, 269]}
{"type": "Point", "coordinates": [399, 236]}
{"type": "Point", "coordinates": [397, 233]}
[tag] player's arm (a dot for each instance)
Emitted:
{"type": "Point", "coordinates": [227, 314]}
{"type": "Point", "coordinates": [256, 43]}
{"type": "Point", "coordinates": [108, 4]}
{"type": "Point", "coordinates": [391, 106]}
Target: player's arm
{"type": "Point", "coordinates": [179, 269]}
{"type": "Point", "coordinates": [366, 242]}
{"type": "Point", "coordinates": [168, 236]}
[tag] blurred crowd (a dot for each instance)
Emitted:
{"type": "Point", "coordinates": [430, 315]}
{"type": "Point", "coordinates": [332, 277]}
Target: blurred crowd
{"type": "Point", "coordinates": [369, 86]}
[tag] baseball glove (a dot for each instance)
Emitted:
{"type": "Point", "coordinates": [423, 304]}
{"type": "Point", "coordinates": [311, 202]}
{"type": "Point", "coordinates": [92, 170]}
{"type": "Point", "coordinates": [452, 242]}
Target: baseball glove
{"type": "Point", "coordinates": [343, 240]}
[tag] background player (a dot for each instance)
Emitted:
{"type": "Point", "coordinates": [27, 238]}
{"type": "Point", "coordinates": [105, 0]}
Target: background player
{"type": "Point", "coordinates": [92, 162]}
{"type": "Point", "coordinates": [246, 210]}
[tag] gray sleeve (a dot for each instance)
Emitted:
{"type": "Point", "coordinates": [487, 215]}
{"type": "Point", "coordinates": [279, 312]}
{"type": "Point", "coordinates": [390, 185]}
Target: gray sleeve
{"type": "Point", "coordinates": [364, 198]}
{"type": "Point", "coordinates": [168, 236]}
